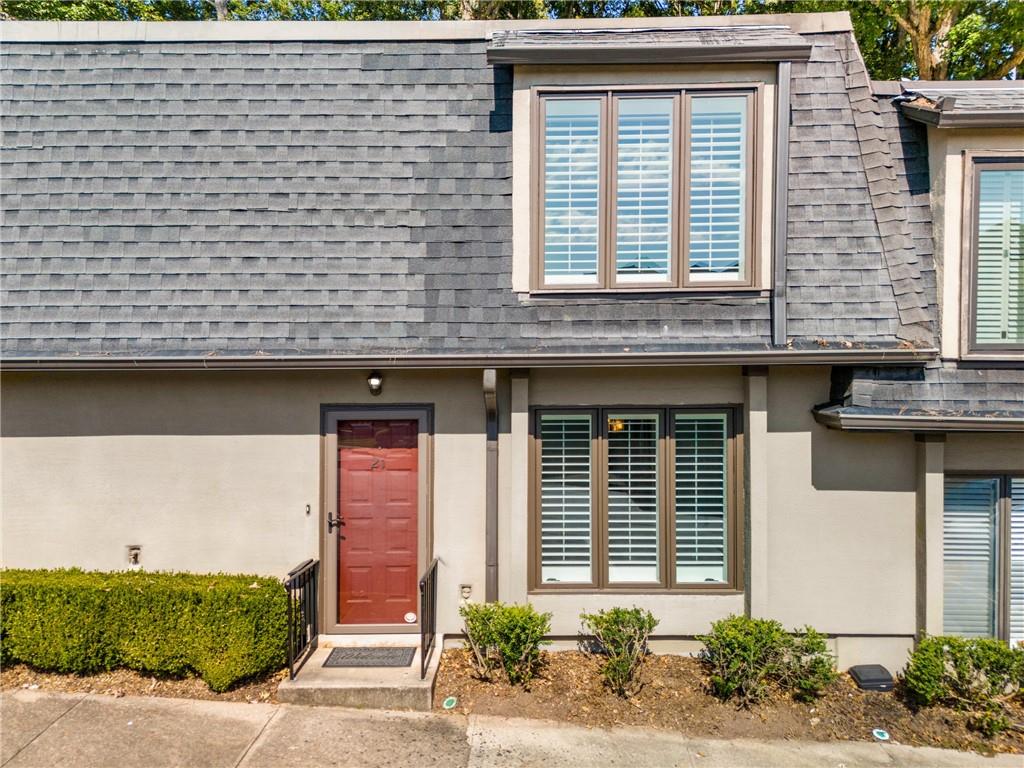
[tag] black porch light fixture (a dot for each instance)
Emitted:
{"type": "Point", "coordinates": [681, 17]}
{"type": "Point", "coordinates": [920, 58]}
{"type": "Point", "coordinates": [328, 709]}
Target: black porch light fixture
{"type": "Point", "coordinates": [375, 381]}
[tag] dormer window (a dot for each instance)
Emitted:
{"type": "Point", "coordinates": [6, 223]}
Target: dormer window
{"type": "Point", "coordinates": [644, 190]}
{"type": "Point", "coordinates": [996, 257]}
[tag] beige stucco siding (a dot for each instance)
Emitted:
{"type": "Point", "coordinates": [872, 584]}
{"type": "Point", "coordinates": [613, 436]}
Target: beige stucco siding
{"type": "Point", "coordinates": [212, 471]}
{"type": "Point", "coordinates": [842, 515]}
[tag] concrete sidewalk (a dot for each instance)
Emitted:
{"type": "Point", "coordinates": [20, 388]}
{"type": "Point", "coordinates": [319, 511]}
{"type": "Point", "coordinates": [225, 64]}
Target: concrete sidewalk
{"type": "Point", "coordinates": [87, 731]}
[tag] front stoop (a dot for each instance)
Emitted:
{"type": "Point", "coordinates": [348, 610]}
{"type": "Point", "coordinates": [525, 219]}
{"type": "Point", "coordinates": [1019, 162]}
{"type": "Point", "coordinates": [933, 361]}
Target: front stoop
{"type": "Point", "coordinates": [361, 687]}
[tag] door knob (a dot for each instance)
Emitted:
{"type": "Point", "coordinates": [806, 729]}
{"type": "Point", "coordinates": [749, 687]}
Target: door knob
{"type": "Point", "coordinates": [334, 522]}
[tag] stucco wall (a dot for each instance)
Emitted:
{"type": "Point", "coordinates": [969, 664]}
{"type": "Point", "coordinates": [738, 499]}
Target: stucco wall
{"type": "Point", "coordinates": [212, 471]}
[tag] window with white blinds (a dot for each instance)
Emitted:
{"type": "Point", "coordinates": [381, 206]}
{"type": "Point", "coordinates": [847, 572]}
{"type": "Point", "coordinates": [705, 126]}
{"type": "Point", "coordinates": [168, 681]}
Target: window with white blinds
{"type": "Point", "coordinates": [633, 442]}
{"type": "Point", "coordinates": [701, 497]}
{"type": "Point", "coordinates": [969, 557]}
{"type": "Point", "coordinates": [643, 189]}
{"type": "Point", "coordinates": [565, 498]}
{"type": "Point", "coordinates": [718, 187]}
{"type": "Point", "coordinates": [983, 557]}
{"type": "Point", "coordinates": [634, 496]}
{"type": "Point", "coordinates": [999, 255]}
{"type": "Point", "coordinates": [572, 168]}
{"type": "Point", "coordinates": [1016, 504]}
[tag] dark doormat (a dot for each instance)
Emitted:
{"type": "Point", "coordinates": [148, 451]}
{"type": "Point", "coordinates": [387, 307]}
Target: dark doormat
{"type": "Point", "coordinates": [370, 657]}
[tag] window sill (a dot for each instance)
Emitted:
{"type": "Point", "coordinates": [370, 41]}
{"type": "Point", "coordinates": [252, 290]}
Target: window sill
{"type": "Point", "coordinates": [993, 357]}
{"type": "Point", "coordinates": [722, 591]}
{"type": "Point", "coordinates": [712, 291]}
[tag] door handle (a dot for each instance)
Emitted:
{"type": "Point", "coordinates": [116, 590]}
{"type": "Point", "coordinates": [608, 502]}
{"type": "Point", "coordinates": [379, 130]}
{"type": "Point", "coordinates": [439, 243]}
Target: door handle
{"type": "Point", "coordinates": [334, 522]}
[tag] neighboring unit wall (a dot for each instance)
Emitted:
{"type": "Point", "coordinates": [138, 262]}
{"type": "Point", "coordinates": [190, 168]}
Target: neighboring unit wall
{"type": "Point", "coordinates": [212, 471]}
{"type": "Point", "coordinates": [947, 148]}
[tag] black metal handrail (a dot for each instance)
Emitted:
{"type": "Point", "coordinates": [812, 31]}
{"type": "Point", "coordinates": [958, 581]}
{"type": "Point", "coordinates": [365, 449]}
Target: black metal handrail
{"type": "Point", "coordinates": [302, 584]}
{"type": "Point", "coordinates": [428, 615]}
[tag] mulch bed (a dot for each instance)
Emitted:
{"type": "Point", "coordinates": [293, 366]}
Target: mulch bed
{"type": "Point", "coordinates": [674, 697]}
{"type": "Point", "coordinates": [123, 682]}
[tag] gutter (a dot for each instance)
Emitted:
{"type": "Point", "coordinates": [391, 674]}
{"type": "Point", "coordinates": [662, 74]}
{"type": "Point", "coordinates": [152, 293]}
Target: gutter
{"type": "Point", "coordinates": [541, 360]}
{"type": "Point", "coordinates": [491, 484]}
{"type": "Point", "coordinates": [835, 419]}
{"type": "Point", "coordinates": [988, 118]}
{"type": "Point", "coordinates": [780, 223]}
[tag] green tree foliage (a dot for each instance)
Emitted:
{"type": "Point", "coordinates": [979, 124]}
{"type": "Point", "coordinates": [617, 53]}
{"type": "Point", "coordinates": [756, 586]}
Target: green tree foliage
{"type": "Point", "coordinates": [930, 39]}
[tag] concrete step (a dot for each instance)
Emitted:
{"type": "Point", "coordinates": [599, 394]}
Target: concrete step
{"type": "Point", "coordinates": [362, 687]}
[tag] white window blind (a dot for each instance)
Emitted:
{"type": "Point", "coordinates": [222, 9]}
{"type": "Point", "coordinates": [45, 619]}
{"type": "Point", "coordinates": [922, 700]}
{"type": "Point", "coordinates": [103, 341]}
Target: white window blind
{"type": "Point", "coordinates": [969, 556]}
{"type": "Point", "coordinates": [1016, 560]}
{"type": "Point", "coordinates": [565, 509]}
{"type": "Point", "coordinates": [717, 187]}
{"type": "Point", "coordinates": [633, 497]}
{"type": "Point", "coordinates": [572, 155]}
{"type": "Point", "coordinates": [1000, 257]}
{"type": "Point", "coordinates": [643, 171]}
{"type": "Point", "coordinates": [701, 497]}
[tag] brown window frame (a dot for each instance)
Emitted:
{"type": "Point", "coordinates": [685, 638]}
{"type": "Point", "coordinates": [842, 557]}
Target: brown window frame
{"type": "Point", "coordinates": [679, 255]}
{"type": "Point", "coordinates": [971, 349]}
{"type": "Point", "coordinates": [666, 499]}
{"type": "Point", "coordinates": [1003, 553]}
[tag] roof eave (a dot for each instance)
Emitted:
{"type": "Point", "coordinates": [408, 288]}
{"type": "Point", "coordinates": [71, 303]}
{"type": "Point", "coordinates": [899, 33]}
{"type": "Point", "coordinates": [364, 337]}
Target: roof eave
{"type": "Point", "coordinates": [988, 118]}
{"type": "Point", "coordinates": [834, 418]}
{"type": "Point", "coordinates": [646, 54]}
{"type": "Point", "coordinates": [299, 362]}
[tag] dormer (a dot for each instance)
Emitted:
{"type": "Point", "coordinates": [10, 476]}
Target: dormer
{"type": "Point", "coordinates": [976, 148]}
{"type": "Point", "coordinates": [645, 160]}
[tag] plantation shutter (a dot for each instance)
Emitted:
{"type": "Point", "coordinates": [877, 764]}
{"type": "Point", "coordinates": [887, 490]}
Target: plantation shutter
{"type": "Point", "coordinates": [1000, 257]}
{"type": "Point", "coordinates": [643, 217]}
{"type": "Point", "coordinates": [565, 489]}
{"type": "Point", "coordinates": [1016, 560]}
{"type": "Point", "coordinates": [572, 164]}
{"type": "Point", "coordinates": [701, 497]}
{"type": "Point", "coordinates": [969, 556]}
{"type": "Point", "coordinates": [633, 497]}
{"type": "Point", "coordinates": [718, 171]}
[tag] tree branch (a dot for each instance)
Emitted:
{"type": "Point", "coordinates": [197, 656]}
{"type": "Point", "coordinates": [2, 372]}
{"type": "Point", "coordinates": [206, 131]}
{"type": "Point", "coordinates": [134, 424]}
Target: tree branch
{"type": "Point", "coordinates": [1007, 66]}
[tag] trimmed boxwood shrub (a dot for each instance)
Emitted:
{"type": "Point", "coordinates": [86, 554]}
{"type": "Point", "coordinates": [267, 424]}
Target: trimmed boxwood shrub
{"type": "Point", "coordinates": [223, 628]}
{"type": "Point", "coordinates": [509, 636]}
{"type": "Point", "coordinates": [621, 635]}
{"type": "Point", "coordinates": [746, 657]}
{"type": "Point", "coordinates": [977, 675]}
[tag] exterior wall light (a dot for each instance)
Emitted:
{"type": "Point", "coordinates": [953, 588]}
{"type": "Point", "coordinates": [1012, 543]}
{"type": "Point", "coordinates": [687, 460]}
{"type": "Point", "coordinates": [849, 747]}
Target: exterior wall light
{"type": "Point", "coordinates": [375, 381]}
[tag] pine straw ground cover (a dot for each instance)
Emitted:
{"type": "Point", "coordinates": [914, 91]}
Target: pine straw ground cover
{"type": "Point", "coordinates": [674, 697]}
{"type": "Point", "coordinates": [124, 682]}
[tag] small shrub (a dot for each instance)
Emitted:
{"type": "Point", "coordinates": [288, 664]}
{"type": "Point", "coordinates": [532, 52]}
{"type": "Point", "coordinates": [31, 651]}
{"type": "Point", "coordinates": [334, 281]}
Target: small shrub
{"type": "Point", "coordinates": [977, 675]}
{"type": "Point", "coordinates": [222, 628]}
{"type": "Point", "coordinates": [746, 657]}
{"type": "Point", "coordinates": [621, 634]}
{"type": "Point", "coordinates": [479, 628]}
{"type": "Point", "coordinates": [509, 636]}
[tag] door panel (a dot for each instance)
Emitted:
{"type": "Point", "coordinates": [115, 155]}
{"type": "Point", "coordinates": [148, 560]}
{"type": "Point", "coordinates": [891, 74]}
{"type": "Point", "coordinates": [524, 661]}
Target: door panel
{"type": "Point", "coordinates": [378, 494]}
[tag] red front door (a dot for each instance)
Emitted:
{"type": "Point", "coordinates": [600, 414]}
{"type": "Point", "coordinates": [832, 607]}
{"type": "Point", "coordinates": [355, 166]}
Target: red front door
{"type": "Point", "coordinates": [378, 474]}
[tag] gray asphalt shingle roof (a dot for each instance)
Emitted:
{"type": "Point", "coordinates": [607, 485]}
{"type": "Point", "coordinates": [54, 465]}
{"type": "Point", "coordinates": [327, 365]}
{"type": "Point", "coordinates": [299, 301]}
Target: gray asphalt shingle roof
{"type": "Point", "coordinates": [736, 43]}
{"type": "Point", "coordinates": [940, 390]}
{"type": "Point", "coordinates": [346, 198]}
{"type": "Point", "coordinates": [952, 103]}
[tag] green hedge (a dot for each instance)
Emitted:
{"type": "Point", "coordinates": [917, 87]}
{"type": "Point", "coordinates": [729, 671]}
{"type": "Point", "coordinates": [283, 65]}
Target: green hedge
{"type": "Point", "coordinates": [222, 628]}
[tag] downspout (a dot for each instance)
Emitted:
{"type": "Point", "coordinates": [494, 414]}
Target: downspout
{"type": "Point", "coordinates": [491, 515]}
{"type": "Point", "coordinates": [780, 222]}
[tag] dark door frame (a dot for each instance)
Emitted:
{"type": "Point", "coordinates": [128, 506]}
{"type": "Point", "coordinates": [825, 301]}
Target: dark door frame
{"type": "Point", "coordinates": [330, 415]}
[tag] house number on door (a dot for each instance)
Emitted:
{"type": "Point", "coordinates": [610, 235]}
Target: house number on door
{"type": "Point", "coordinates": [377, 463]}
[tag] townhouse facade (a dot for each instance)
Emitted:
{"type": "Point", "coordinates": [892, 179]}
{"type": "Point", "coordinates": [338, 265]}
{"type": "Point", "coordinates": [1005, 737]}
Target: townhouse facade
{"type": "Point", "coordinates": [688, 314]}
